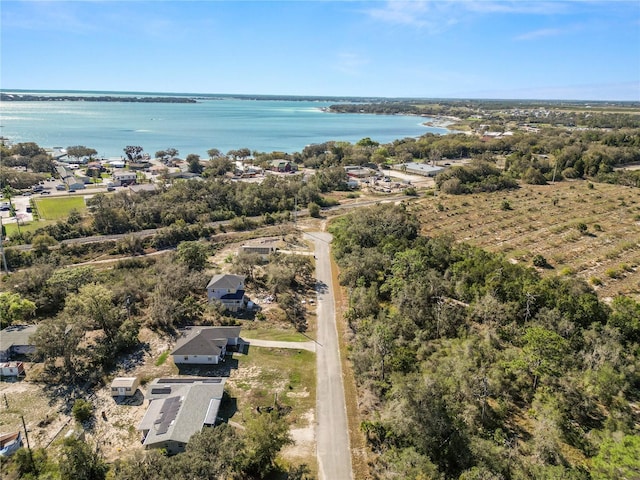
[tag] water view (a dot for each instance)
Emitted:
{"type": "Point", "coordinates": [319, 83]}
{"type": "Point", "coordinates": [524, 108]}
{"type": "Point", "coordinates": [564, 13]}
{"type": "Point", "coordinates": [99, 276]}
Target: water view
{"type": "Point", "coordinates": [222, 123]}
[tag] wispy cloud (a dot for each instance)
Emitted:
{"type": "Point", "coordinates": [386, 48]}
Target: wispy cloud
{"type": "Point", "coordinates": [350, 63]}
{"type": "Point", "coordinates": [437, 16]}
{"type": "Point", "coordinates": [515, 7]}
{"type": "Point", "coordinates": [541, 33]}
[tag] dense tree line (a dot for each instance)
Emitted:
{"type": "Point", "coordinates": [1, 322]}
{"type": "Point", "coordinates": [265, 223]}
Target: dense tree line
{"type": "Point", "coordinates": [472, 367]}
{"type": "Point", "coordinates": [561, 114]}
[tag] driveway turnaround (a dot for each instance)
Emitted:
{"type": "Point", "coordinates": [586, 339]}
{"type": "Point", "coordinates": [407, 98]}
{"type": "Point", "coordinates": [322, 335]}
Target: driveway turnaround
{"type": "Point", "coordinates": [332, 434]}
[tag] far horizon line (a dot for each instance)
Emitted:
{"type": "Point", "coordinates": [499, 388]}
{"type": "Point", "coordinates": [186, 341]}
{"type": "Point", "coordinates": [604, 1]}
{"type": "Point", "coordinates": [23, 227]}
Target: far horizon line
{"type": "Point", "coordinates": [318, 97]}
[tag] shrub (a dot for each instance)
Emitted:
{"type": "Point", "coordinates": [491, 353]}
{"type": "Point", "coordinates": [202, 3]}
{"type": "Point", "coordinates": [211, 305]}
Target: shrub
{"type": "Point", "coordinates": [540, 262]}
{"type": "Point", "coordinates": [582, 227]}
{"type": "Point", "coordinates": [314, 209]}
{"type": "Point", "coordinates": [505, 205]}
{"type": "Point", "coordinates": [82, 410]}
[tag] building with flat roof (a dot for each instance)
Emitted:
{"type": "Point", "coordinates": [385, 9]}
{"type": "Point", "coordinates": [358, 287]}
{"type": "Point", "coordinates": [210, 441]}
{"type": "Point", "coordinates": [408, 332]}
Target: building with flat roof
{"type": "Point", "coordinates": [418, 169]}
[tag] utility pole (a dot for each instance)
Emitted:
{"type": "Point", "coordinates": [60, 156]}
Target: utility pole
{"type": "Point", "coordinates": [295, 208]}
{"type": "Point", "coordinates": [26, 436]}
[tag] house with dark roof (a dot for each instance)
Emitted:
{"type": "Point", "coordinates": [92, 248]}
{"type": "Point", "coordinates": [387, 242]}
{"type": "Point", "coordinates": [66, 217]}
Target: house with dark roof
{"type": "Point", "coordinates": [229, 290]}
{"type": "Point", "coordinates": [205, 345]}
{"type": "Point", "coordinates": [14, 340]}
{"type": "Point", "coordinates": [178, 408]}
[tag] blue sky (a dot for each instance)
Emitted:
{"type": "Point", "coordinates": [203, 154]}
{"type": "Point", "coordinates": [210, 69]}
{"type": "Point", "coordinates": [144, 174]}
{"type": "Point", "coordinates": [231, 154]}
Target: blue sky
{"type": "Point", "coordinates": [439, 49]}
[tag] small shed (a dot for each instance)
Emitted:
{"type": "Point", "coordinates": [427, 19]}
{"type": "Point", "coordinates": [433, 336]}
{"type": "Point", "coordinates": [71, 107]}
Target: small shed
{"type": "Point", "coordinates": [12, 369]}
{"type": "Point", "coordinates": [124, 386]}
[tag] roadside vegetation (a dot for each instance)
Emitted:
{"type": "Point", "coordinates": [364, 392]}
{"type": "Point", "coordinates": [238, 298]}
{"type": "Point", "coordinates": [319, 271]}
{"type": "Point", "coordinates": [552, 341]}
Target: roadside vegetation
{"type": "Point", "coordinates": [470, 366]}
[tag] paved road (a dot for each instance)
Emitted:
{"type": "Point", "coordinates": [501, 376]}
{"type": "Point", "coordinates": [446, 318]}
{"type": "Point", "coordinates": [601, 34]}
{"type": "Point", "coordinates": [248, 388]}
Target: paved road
{"type": "Point", "coordinates": [332, 435]}
{"type": "Point", "coordinates": [254, 342]}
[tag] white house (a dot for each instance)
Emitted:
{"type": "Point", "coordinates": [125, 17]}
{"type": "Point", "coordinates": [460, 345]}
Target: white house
{"type": "Point", "coordinates": [227, 289]}
{"type": "Point", "coordinates": [124, 177]}
{"type": "Point", "coordinates": [12, 369]}
{"type": "Point", "coordinates": [205, 345]}
{"type": "Point", "coordinates": [178, 408]}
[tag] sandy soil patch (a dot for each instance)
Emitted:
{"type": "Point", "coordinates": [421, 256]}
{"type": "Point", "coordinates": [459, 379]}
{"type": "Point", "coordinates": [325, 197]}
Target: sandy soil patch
{"type": "Point", "coordinates": [304, 445]}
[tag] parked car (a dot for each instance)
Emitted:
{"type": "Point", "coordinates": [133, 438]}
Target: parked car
{"type": "Point", "coordinates": [60, 187]}
{"type": "Point", "coordinates": [111, 189]}
{"type": "Point", "coordinates": [45, 192]}
{"type": "Point", "coordinates": [72, 190]}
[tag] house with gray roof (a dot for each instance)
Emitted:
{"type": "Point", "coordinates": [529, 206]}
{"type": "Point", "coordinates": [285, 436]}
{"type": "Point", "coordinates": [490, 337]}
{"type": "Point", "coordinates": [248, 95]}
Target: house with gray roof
{"type": "Point", "coordinates": [229, 290]}
{"type": "Point", "coordinates": [178, 408]}
{"type": "Point", "coordinates": [14, 340]}
{"type": "Point", "coordinates": [205, 345]}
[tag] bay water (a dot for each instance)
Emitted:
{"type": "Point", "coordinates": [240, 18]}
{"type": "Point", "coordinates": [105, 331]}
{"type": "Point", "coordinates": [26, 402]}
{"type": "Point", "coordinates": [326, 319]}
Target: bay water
{"type": "Point", "coordinates": [225, 123]}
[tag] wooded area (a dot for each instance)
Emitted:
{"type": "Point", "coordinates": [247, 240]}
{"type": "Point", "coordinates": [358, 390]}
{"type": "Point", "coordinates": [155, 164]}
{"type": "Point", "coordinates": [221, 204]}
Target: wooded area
{"type": "Point", "coordinates": [472, 367]}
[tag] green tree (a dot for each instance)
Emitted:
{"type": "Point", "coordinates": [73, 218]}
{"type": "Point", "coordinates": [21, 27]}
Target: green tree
{"type": "Point", "coordinates": [81, 462]}
{"type": "Point", "coordinates": [193, 254]}
{"type": "Point", "coordinates": [314, 209]}
{"type": "Point", "coordinates": [42, 242]}
{"type": "Point", "coordinates": [266, 434]}
{"type": "Point", "coordinates": [617, 459]}
{"type": "Point", "coordinates": [79, 151]}
{"type": "Point", "coordinates": [194, 163]}
{"type": "Point", "coordinates": [14, 308]}
{"type": "Point", "coordinates": [543, 352]}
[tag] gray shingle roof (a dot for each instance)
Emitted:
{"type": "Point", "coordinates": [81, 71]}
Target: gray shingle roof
{"type": "Point", "coordinates": [205, 340]}
{"type": "Point", "coordinates": [16, 335]}
{"type": "Point", "coordinates": [226, 281]}
{"type": "Point", "coordinates": [187, 405]}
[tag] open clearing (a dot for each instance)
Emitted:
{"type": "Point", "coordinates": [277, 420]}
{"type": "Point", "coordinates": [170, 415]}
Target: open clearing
{"type": "Point", "coordinates": [544, 220]}
{"type": "Point", "coordinates": [59, 208]}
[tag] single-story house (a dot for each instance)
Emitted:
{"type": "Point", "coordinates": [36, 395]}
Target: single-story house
{"type": "Point", "coordinates": [124, 386]}
{"type": "Point", "coordinates": [116, 163]}
{"type": "Point", "coordinates": [419, 169]}
{"type": "Point", "coordinates": [14, 340]}
{"type": "Point", "coordinates": [12, 369]}
{"type": "Point", "coordinates": [205, 345]}
{"type": "Point", "coordinates": [227, 289]}
{"type": "Point", "coordinates": [178, 408]}
{"type": "Point", "coordinates": [72, 181]}
{"type": "Point", "coordinates": [124, 177]}
{"type": "Point", "coordinates": [264, 247]}
{"type": "Point", "coordinates": [356, 171]}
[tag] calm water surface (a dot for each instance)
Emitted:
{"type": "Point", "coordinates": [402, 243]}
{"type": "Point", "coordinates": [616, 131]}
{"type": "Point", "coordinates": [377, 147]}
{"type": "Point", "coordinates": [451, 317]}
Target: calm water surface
{"type": "Point", "coordinates": [225, 124]}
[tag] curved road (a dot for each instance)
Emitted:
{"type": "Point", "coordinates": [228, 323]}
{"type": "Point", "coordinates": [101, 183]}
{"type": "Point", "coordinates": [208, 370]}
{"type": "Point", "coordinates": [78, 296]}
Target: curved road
{"type": "Point", "coordinates": [332, 434]}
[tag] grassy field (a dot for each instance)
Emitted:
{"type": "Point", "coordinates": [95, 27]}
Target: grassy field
{"type": "Point", "coordinates": [60, 207]}
{"type": "Point", "coordinates": [274, 334]}
{"type": "Point", "coordinates": [550, 220]}
{"type": "Point", "coordinates": [265, 372]}
{"type": "Point", "coordinates": [12, 228]}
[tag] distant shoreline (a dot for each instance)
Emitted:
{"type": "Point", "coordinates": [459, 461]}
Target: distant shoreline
{"type": "Point", "coordinates": [16, 97]}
